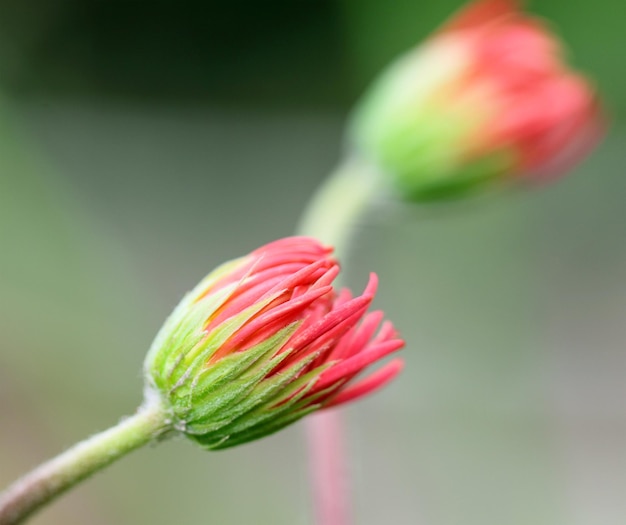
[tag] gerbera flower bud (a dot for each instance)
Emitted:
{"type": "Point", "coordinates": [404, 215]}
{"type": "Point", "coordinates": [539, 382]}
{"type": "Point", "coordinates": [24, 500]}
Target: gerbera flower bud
{"type": "Point", "coordinates": [486, 98]}
{"type": "Point", "coordinates": [264, 340]}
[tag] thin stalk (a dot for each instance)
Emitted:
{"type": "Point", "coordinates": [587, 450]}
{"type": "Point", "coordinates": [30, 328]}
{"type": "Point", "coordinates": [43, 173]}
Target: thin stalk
{"type": "Point", "coordinates": [333, 212]}
{"type": "Point", "coordinates": [51, 479]}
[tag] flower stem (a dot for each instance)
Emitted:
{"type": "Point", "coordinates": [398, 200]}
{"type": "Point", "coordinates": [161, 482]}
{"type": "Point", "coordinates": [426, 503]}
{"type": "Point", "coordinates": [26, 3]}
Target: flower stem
{"type": "Point", "coordinates": [332, 213]}
{"type": "Point", "coordinates": [332, 217]}
{"type": "Point", "coordinates": [49, 480]}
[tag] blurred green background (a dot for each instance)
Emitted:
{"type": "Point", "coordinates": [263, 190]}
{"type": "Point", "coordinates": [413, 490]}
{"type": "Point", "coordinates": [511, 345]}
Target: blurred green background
{"type": "Point", "coordinates": [142, 143]}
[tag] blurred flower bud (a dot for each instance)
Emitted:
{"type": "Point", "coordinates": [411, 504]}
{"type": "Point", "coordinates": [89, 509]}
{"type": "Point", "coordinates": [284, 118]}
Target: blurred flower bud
{"type": "Point", "coordinates": [264, 340]}
{"type": "Point", "coordinates": [486, 98]}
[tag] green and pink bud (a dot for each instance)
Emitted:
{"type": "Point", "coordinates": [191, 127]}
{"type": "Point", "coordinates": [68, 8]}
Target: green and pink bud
{"type": "Point", "coordinates": [487, 98]}
{"type": "Point", "coordinates": [264, 340]}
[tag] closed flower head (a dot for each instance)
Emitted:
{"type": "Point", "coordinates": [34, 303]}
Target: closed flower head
{"type": "Point", "coordinates": [486, 98]}
{"type": "Point", "coordinates": [264, 340]}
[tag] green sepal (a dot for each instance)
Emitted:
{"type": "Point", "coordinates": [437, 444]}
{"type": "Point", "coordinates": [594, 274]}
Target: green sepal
{"type": "Point", "coordinates": [185, 369]}
{"type": "Point", "coordinates": [183, 331]}
{"type": "Point", "coordinates": [235, 364]}
{"type": "Point", "coordinates": [298, 410]}
{"type": "Point", "coordinates": [261, 391]}
{"type": "Point", "coordinates": [277, 399]}
{"type": "Point", "coordinates": [261, 431]}
{"type": "Point", "coordinates": [220, 402]}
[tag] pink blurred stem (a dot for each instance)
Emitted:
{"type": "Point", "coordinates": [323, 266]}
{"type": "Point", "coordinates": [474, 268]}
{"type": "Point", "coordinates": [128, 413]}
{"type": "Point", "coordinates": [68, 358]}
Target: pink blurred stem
{"type": "Point", "coordinates": [331, 217]}
{"type": "Point", "coordinates": [328, 468]}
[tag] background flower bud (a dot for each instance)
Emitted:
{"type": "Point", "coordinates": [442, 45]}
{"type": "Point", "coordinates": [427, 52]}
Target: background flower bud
{"type": "Point", "coordinates": [264, 340]}
{"type": "Point", "coordinates": [486, 98]}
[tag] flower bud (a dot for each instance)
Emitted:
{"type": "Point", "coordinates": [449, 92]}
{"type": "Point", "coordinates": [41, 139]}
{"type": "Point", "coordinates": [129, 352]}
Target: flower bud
{"type": "Point", "coordinates": [486, 98]}
{"type": "Point", "coordinates": [264, 340]}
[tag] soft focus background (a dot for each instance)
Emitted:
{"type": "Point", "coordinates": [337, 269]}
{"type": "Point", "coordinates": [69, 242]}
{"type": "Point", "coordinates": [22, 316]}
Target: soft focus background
{"type": "Point", "coordinates": [142, 143]}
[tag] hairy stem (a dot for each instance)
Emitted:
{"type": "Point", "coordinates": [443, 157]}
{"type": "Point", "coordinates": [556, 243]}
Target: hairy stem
{"type": "Point", "coordinates": [49, 480]}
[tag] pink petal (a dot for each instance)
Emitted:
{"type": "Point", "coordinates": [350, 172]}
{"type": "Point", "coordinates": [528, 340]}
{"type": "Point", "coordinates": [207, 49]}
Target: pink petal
{"type": "Point", "coordinates": [355, 364]}
{"type": "Point", "coordinates": [374, 381]}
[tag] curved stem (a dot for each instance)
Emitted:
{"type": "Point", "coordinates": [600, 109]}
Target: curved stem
{"type": "Point", "coordinates": [332, 217]}
{"type": "Point", "coordinates": [333, 211]}
{"type": "Point", "coordinates": [54, 477]}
